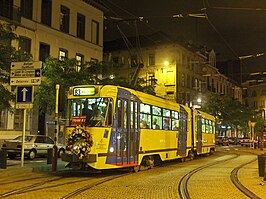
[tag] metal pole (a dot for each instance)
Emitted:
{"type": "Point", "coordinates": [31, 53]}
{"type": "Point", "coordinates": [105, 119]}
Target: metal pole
{"type": "Point", "coordinates": [23, 138]}
{"type": "Point", "coordinates": [55, 149]}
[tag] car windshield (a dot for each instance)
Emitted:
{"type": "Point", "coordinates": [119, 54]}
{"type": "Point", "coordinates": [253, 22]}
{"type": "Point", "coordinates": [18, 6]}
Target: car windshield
{"type": "Point", "coordinates": [27, 138]}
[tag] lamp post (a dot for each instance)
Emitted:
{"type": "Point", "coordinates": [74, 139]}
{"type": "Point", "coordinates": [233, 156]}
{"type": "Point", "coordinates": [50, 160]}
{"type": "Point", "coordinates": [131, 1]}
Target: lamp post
{"type": "Point", "coordinates": [55, 149]}
{"type": "Point", "coordinates": [252, 125]}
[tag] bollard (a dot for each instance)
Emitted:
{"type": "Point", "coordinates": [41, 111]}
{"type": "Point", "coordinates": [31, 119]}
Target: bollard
{"type": "Point", "coordinates": [49, 156]}
{"type": "Point", "coordinates": [261, 164]}
{"type": "Point", "coordinates": [3, 159]}
{"type": "Point", "coordinates": [54, 161]}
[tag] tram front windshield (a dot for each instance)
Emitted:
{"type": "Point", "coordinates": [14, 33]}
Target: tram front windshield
{"type": "Point", "coordinates": [95, 110]}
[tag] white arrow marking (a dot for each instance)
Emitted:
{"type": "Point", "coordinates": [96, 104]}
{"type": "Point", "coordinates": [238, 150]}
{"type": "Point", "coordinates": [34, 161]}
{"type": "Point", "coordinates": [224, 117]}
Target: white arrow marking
{"type": "Point", "coordinates": [24, 91]}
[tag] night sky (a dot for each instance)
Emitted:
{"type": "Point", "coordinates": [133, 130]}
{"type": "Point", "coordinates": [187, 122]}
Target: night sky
{"type": "Point", "coordinates": [233, 28]}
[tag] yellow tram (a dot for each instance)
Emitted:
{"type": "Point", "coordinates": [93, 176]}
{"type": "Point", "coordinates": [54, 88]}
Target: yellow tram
{"type": "Point", "coordinates": [112, 127]}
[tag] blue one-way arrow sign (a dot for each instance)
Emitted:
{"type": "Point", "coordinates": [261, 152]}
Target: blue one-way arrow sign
{"type": "Point", "coordinates": [24, 94]}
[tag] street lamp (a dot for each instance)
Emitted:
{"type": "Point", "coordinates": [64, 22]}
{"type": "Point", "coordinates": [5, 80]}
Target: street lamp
{"type": "Point", "coordinates": [166, 63]}
{"type": "Point", "coordinates": [252, 125]}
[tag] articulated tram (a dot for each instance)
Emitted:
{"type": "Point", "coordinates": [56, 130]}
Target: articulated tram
{"type": "Point", "coordinates": [111, 127]}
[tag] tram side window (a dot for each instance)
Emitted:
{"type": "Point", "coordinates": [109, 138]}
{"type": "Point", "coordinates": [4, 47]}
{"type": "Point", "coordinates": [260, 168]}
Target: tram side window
{"type": "Point", "coordinates": [125, 114]}
{"type": "Point", "coordinates": [207, 126]}
{"type": "Point", "coordinates": [175, 120]}
{"type": "Point", "coordinates": [109, 117]}
{"type": "Point", "coordinates": [145, 116]}
{"type": "Point", "coordinates": [166, 119]}
{"type": "Point", "coordinates": [133, 115]}
{"type": "Point", "coordinates": [210, 127]}
{"type": "Point", "coordinates": [156, 117]}
{"type": "Point", "coordinates": [119, 113]}
{"type": "Point", "coordinates": [203, 125]}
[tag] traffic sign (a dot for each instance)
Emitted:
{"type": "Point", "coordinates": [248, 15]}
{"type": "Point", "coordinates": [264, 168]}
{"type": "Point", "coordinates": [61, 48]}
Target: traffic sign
{"type": "Point", "coordinates": [25, 81]}
{"type": "Point", "coordinates": [24, 106]}
{"type": "Point", "coordinates": [24, 94]}
{"type": "Point", "coordinates": [25, 73]}
{"type": "Point", "coordinates": [26, 65]}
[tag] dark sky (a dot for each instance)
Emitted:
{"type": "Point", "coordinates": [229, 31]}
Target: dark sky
{"type": "Point", "coordinates": [233, 28]}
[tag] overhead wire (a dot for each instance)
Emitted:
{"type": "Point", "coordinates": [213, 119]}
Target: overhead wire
{"type": "Point", "coordinates": [143, 20]}
{"type": "Point", "coordinates": [216, 30]}
{"type": "Point", "coordinates": [235, 8]}
{"type": "Point", "coordinates": [240, 58]}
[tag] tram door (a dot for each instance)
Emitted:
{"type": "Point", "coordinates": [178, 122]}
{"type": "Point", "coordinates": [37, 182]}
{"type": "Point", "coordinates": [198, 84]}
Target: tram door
{"type": "Point", "coordinates": [182, 135]}
{"type": "Point", "coordinates": [127, 132]}
{"type": "Point", "coordinates": [199, 133]}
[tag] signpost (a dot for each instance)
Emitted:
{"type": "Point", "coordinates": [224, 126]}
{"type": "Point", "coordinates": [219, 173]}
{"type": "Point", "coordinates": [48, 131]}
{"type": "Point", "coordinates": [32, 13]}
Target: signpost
{"type": "Point", "coordinates": [24, 97]}
{"type": "Point", "coordinates": [25, 75]}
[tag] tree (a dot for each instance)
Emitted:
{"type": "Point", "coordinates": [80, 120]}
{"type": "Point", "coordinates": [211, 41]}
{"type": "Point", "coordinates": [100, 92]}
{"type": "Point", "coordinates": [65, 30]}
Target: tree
{"type": "Point", "coordinates": [8, 54]}
{"type": "Point", "coordinates": [64, 72]}
{"type": "Point", "coordinates": [227, 111]}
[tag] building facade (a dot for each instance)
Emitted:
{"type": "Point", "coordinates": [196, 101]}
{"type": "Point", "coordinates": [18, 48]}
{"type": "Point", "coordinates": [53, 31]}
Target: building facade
{"type": "Point", "coordinates": [182, 74]}
{"type": "Point", "coordinates": [255, 93]}
{"type": "Point", "coordinates": [55, 28]}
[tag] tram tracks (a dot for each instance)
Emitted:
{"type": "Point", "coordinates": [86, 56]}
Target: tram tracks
{"type": "Point", "coordinates": [56, 182]}
{"type": "Point", "coordinates": [183, 183]}
{"type": "Point", "coordinates": [238, 184]}
{"type": "Point", "coordinates": [87, 187]}
{"type": "Point", "coordinates": [24, 189]}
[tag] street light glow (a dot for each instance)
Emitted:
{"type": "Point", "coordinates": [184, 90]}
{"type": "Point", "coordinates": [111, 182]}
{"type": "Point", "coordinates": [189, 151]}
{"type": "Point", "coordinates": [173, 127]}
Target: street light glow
{"type": "Point", "coordinates": [199, 100]}
{"type": "Point", "coordinates": [166, 63]}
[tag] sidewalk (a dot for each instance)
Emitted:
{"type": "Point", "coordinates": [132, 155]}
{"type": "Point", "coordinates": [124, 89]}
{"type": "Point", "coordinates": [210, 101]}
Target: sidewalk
{"type": "Point", "coordinates": [39, 165]}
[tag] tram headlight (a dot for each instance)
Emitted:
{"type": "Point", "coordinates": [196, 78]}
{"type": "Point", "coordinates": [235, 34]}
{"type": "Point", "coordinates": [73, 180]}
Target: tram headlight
{"type": "Point", "coordinates": [112, 149]}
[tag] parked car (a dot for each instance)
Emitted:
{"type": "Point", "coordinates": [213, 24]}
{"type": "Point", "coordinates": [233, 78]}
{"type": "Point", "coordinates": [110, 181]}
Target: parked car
{"type": "Point", "coordinates": [246, 141]}
{"type": "Point", "coordinates": [34, 145]}
{"type": "Point", "coordinates": [234, 140]}
{"type": "Point", "coordinates": [222, 140]}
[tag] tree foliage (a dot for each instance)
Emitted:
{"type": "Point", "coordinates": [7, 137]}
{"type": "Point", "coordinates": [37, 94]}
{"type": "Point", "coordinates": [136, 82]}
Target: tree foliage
{"type": "Point", "coordinates": [68, 73]}
{"type": "Point", "coordinates": [8, 54]}
{"type": "Point", "coordinates": [227, 111]}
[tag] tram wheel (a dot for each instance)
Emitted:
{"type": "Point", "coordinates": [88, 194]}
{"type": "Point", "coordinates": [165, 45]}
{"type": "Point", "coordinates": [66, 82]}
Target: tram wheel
{"type": "Point", "coordinates": [148, 162]}
{"type": "Point", "coordinates": [191, 155]}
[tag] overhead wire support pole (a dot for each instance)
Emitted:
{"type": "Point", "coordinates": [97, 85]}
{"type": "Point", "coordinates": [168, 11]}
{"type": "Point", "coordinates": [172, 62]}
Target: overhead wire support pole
{"type": "Point", "coordinates": [56, 122]}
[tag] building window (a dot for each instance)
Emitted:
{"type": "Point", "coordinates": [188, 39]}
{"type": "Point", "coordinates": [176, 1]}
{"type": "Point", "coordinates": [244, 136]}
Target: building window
{"type": "Point", "coordinates": [182, 79]}
{"type": "Point", "coordinates": [134, 61]}
{"type": "Point", "coordinates": [64, 19]}
{"type": "Point", "coordinates": [6, 8]}
{"type": "Point", "coordinates": [63, 53]}
{"type": "Point", "coordinates": [151, 81]}
{"type": "Point", "coordinates": [151, 59]}
{"type": "Point", "coordinates": [26, 8]}
{"type": "Point", "coordinates": [80, 26]}
{"type": "Point", "coordinates": [95, 32]}
{"type": "Point", "coordinates": [94, 60]}
{"type": "Point", "coordinates": [116, 60]}
{"type": "Point", "coordinates": [44, 51]}
{"type": "Point", "coordinates": [24, 45]}
{"type": "Point", "coordinates": [80, 61]}
{"type": "Point", "coordinates": [46, 17]}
